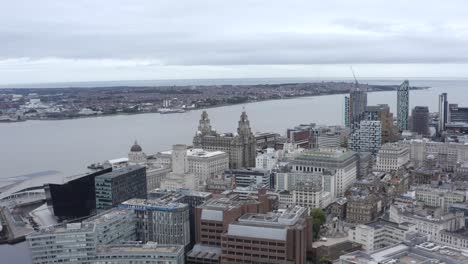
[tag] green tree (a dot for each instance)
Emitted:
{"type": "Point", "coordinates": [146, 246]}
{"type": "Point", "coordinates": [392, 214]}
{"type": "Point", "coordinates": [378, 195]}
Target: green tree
{"type": "Point", "coordinates": [318, 218]}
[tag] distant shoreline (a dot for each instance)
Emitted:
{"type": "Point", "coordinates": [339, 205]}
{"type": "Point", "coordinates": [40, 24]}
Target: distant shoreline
{"type": "Point", "coordinates": [203, 107]}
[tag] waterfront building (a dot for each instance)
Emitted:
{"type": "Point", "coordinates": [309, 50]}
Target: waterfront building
{"type": "Point", "coordinates": [444, 116]}
{"type": "Point", "coordinates": [249, 177]}
{"type": "Point", "coordinates": [420, 120]}
{"type": "Point", "coordinates": [114, 226]}
{"type": "Point", "coordinates": [70, 243]}
{"type": "Point", "coordinates": [120, 185]}
{"type": "Point", "coordinates": [392, 157]}
{"type": "Point", "coordinates": [74, 198]}
{"type": "Point", "coordinates": [155, 174]}
{"type": "Point", "coordinates": [281, 237]}
{"type": "Point", "coordinates": [380, 234]}
{"type": "Point", "coordinates": [136, 155]}
{"type": "Point", "coordinates": [367, 137]}
{"type": "Point", "coordinates": [403, 106]}
{"type": "Point", "coordinates": [149, 253]}
{"type": "Point", "coordinates": [180, 176]}
{"type": "Point", "coordinates": [338, 162]}
{"type": "Point", "coordinates": [267, 160]}
{"type": "Point", "coordinates": [161, 221]}
{"type": "Point", "coordinates": [241, 147]}
{"type": "Point", "coordinates": [202, 163]}
{"type": "Point", "coordinates": [382, 113]}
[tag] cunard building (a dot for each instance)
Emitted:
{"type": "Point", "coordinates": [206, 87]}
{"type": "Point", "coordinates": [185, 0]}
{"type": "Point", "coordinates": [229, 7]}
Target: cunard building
{"type": "Point", "coordinates": [240, 146]}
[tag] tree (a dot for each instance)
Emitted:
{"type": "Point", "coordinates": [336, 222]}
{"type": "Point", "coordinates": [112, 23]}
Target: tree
{"type": "Point", "coordinates": [318, 218]}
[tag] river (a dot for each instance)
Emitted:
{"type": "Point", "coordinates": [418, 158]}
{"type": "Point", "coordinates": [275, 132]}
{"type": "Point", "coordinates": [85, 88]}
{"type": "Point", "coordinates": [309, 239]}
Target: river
{"type": "Point", "coordinates": [68, 146]}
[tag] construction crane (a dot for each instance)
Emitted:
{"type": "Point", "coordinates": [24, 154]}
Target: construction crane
{"type": "Point", "coordinates": [356, 83]}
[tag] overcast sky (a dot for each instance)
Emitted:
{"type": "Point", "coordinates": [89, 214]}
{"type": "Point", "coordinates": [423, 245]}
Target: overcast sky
{"type": "Point", "coordinates": [95, 40]}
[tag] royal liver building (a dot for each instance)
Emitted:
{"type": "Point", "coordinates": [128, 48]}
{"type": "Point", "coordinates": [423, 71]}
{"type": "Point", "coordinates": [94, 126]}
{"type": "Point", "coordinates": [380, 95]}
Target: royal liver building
{"type": "Point", "coordinates": [241, 146]}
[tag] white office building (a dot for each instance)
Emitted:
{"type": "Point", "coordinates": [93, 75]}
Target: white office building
{"type": "Point", "coordinates": [267, 160]}
{"type": "Point", "coordinates": [391, 157]}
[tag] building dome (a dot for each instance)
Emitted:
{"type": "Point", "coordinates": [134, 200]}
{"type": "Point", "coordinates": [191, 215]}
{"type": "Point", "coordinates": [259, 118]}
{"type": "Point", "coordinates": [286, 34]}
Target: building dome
{"type": "Point", "coordinates": [136, 147]}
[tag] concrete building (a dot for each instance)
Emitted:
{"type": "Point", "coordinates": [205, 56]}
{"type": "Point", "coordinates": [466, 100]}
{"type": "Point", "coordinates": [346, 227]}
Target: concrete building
{"type": "Point", "coordinates": [382, 113]}
{"type": "Point", "coordinates": [310, 195]}
{"type": "Point", "coordinates": [202, 163]}
{"type": "Point", "coordinates": [458, 114]}
{"type": "Point", "coordinates": [380, 234]}
{"type": "Point", "coordinates": [392, 157]}
{"type": "Point", "coordinates": [114, 226]}
{"type": "Point", "coordinates": [302, 136]}
{"type": "Point", "coordinates": [120, 185]}
{"type": "Point", "coordinates": [444, 117]}
{"type": "Point", "coordinates": [367, 137]}
{"type": "Point", "coordinates": [240, 147]}
{"type": "Point", "coordinates": [70, 243]}
{"type": "Point", "coordinates": [356, 106]}
{"type": "Point", "coordinates": [155, 174]}
{"type": "Point", "coordinates": [408, 252]}
{"type": "Point", "coordinates": [249, 177]}
{"type": "Point", "coordinates": [150, 253]}
{"type": "Point", "coordinates": [428, 221]}
{"type": "Point", "coordinates": [420, 120]}
{"type": "Point", "coordinates": [164, 222]}
{"type": "Point", "coordinates": [403, 106]}
{"type": "Point", "coordinates": [446, 155]}
{"type": "Point", "coordinates": [267, 160]}
{"type": "Point", "coordinates": [330, 140]}
{"type": "Point", "coordinates": [340, 163]}
{"type": "Point", "coordinates": [180, 176]}
{"type": "Point", "coordinates": [439, 197]}
{"type": "Point", "coordinates": [283, 237]}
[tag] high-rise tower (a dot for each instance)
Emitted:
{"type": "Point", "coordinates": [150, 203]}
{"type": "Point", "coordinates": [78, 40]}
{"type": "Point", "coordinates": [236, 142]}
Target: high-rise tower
{"type": "Point", "coordinates": [443, 112]}
{"type": "Point", "coordinates": [403, 106]}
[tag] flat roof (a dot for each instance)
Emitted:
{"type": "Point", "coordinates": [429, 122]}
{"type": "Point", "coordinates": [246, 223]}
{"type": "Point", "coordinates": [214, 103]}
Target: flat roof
{"type": "Point", "coordinates": [119, 172]}
{"type": "Point", "coordinates": [201, 153]}
{"type": "Point", "coordinates": [150, 247]}
{"type": "Point", "coordinates": [108, 216]}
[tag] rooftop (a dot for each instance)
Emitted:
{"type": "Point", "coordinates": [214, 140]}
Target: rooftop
{"type": "Point", "coordinates": [149, 248]}
{"type": "Point", "coordinates": [153, 205]}
{"type": "Point", "coordinates": [108, 216]}
{"type": "Point", "coordinates": [198, 153]}
{"type": "Point", "coordinates": [119, 172]}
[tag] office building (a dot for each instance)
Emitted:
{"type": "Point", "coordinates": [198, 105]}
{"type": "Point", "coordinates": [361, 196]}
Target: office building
{"type": "Point", "coordinates": [75, 198]}
{"type": "Point", "coordinates": [443, 112]}
{"type": "Point", "coordinates": [420, 120]}
{"type": "Point", "coordinates": [403, 106]}
{"type": "Point", "coordinates": [282, 237]}
{"type": "Point", "coordinates": [155, 174]}
{"type": "Point", "coordinates": [347, 121]}
{"type": "Point", "coordinates": [329, 140]}
{"type": "Point", "coordinates": [120, 185]}
{"type": "Point", "coordinates": [445, 155]}
{"type": "Point", "coordinates": [380, 234]}
{"type": "Point", "coordinates": [149, 253]}
{"type": "Point", "coordinates": [382, 113]}
{"type": "Point", "coordinates": [458, 114]}
{"type": "Point", "coordinates": [439, 196]}
{"type": "Point", "coordinates": [267, 160]}
{"type": "Point", "coordinates": [310, 195]}
{"type": "Point", "coordinates": [367, 137]}
{"type": "Point", "coordinates": [240, 147]}
{"type": "Point", "coordinates": [340, 163]}
{"type": "Point", "coordinates": [392, 157]}
{"type": "Point", "coordinates": [202, 163]}
{"type": "Point", "coordinates": [114, 226]}
{"type": "Point", "coordinates": [250, 177]}
{"type": "Point", "coordinates": [268, 140]}
{"type": "Point", "coordinates": [362, 209]}
{"type": "Point", "coordinates": [180, 176]}
{"type": "Point", "coordinates": [161, 221]}
{"type": "Point", "coordinates": [70, 243]}
{"type": "Point", "coordinates": [301, 136]}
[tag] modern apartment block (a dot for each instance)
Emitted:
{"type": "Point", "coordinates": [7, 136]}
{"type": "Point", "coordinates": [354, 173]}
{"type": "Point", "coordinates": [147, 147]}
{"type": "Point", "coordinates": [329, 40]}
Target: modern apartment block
{"type": "Point", "coordinates": [403, 106]}
{"type": "Point", "coordinates": [240, 147]}
{"type": "Point", "coordinates": [392, 157]}
{"type": "Point", "coordinates": [164, 222]}
{"type": "Point", "coordinates": [367, 137]}
{"type": "Point", "coordinates": [355, 106]}
{"type": "Point", "coordinates": [120, 185]}
{"type": "Point", "coordinates": [443, 112]}
{"type": "Point", "coordinates": [149, 253]}
{"type": "Point", "coordinates": [282, 237]}
{"type": "Point", "coordinates": [382, 113]}
{"type": "Point", "coordinates": [340, 163]}
{"type": "Point", "coordinates": [114, 226]}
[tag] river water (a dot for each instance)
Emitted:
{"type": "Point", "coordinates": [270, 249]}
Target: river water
{"type": "Point", "coordinates": [68, 146]}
